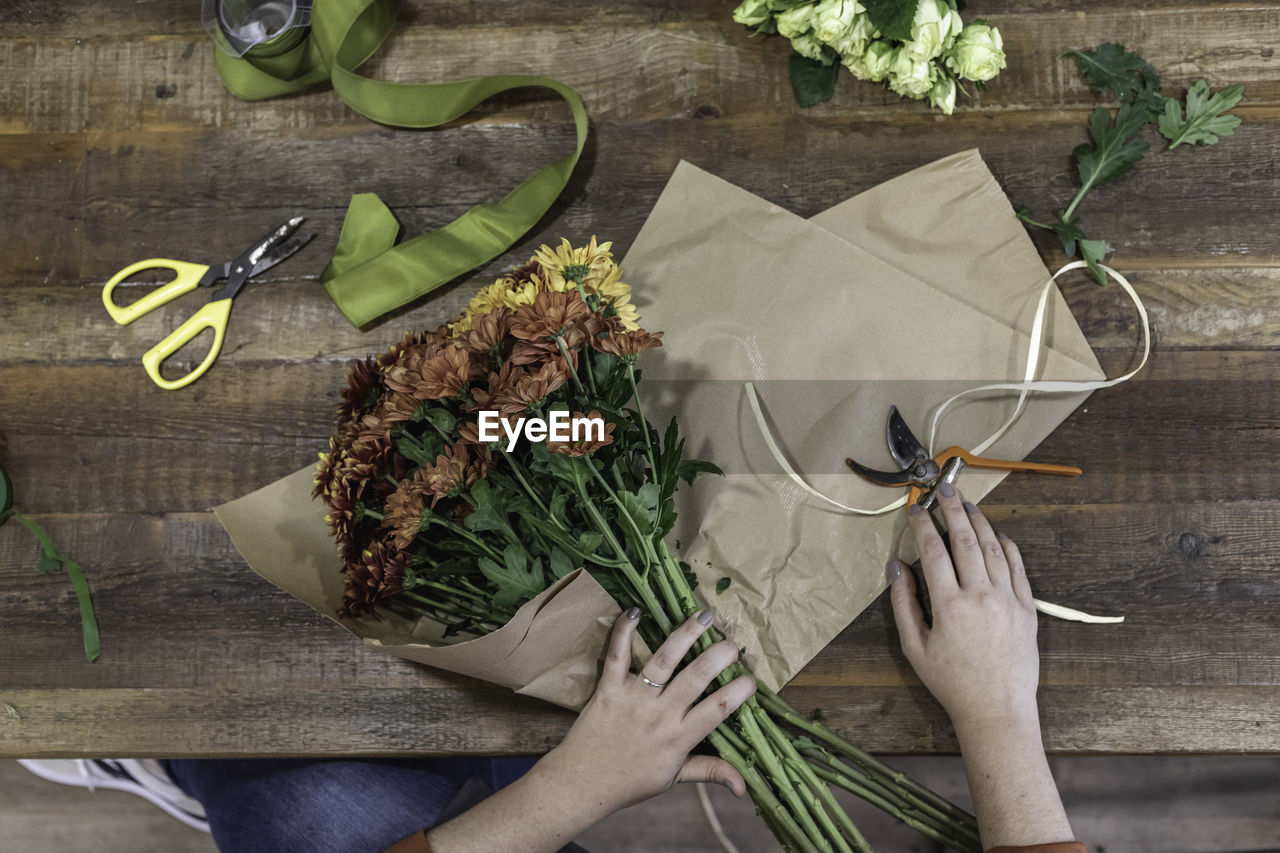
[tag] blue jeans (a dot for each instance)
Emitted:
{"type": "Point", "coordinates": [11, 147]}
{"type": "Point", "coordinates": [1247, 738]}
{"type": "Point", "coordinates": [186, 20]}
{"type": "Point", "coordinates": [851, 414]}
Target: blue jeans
{"type": "Point", "coordinates": [345, 806]}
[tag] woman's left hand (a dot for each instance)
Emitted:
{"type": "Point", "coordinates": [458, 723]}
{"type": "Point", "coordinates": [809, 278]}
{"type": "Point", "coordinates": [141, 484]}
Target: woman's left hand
{"type": "Point", "coordinates": [632, 740]}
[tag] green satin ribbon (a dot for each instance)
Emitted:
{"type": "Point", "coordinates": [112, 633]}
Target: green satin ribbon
{"type": "Point", "coordinates": [369, 275]}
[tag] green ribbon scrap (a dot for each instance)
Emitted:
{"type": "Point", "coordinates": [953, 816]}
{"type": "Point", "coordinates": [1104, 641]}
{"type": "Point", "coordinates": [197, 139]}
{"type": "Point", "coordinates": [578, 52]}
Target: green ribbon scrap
{"type": "Point", "coordinates": [369, 275]}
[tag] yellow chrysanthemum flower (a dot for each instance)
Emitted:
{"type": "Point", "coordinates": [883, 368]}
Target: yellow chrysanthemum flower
{"type": "Point", "coordinates": [564, 255]}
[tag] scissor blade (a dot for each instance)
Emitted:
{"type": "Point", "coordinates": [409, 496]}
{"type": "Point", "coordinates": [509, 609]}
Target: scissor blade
{"type": "Point", "coordinates": [903, 445]}
{"type": "Point", "coordinates": [272, 238]}
{"type": "Point", "coordinates": [246, 263]}
{"type": "Point", "coordinates": [883, 478]}
{"type": "Point", "coordinates": [280, 253]}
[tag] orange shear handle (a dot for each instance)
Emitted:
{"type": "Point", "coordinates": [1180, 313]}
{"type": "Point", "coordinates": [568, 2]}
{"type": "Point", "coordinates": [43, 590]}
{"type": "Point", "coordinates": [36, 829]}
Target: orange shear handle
{"type": "Point", "coordinates": [1005, 464]}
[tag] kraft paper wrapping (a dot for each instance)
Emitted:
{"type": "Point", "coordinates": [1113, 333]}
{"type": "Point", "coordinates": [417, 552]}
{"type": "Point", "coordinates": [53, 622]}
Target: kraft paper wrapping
{"type": "Point", "coordinates": [549, 649]}
{"type": "Point", "coordinates": [905, 294]}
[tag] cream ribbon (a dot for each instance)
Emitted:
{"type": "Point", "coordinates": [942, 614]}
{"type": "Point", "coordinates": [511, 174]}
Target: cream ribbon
{"type": "Point", "coordinates": [1029, 384]}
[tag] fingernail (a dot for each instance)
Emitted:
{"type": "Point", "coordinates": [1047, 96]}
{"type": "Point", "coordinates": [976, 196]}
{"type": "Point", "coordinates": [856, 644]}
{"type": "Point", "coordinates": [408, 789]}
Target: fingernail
{"type": "Point", "coordinates": [705, 617]}
{"type": "Point", "coordinates": [947, 490]}
{"type": "Point", "coordinates": [915, 509]}
{"type": "Point", "coordinates": [969, 508]}
{"type": "Point", "coordinates": [729, 785]}
{"type": "Point", "coordinates": [1002, 534]}
{"type": "Point", "coordinates": [633, 613]}
{"type": "Point", "coordinates": [892, 571]}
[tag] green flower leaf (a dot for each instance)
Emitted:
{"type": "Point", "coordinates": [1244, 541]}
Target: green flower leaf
{"type": "Point", "coordinates": [490, 512]}
{"type": "Point", "coordinates": [590, 542]}
{"type": "Point", "coordinates": [1116, 147]}
{"type": "Point", "coordinates": [516, 579]}
{"type": "Point", "coordinates": [811, 80]}
{"type": "Point", "coordinates": [723, 584]}
{"type": "Point", "coordinates": [1111, 68]}
{"type": "Point", "coordinates": [892, 17]}
{"type": "Point", "coordinates": [1205, 122]}
{"type": "Point", "coordinates": [1093, 252]}
{"type": "Point", "coordinates": [642, 507]}
{"type": "Point", "coordinates": [441, 419]}
{"type": "Point", "coordinates": [48, 563]}
{"type": "Point", "coordinates": [561, 565]}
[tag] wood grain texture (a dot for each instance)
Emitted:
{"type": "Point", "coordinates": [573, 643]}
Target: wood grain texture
{"type": "Point", "coordinates": [117, 141]}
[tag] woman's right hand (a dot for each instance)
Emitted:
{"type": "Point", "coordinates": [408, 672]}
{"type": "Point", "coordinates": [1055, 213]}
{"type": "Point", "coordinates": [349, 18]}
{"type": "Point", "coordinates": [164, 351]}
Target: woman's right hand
{"type": "Point", "coordinates": [979, 658]}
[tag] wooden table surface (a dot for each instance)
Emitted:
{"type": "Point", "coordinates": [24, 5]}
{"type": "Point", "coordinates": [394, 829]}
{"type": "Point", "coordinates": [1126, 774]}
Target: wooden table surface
{"type": "Point", "coordinates": [119, 142]}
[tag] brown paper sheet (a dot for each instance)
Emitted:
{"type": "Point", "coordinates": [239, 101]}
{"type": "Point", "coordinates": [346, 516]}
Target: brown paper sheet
{"type": "Point", "coordinates": [549, 649]}
{"type": "Point", "coordinates": [903, 295]}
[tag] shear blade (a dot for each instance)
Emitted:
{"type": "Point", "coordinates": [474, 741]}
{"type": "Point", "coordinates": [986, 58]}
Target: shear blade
{"type": "Point", "coordinates": [903, 445]}
{"type": "Point", "coordinates": [883, 478]}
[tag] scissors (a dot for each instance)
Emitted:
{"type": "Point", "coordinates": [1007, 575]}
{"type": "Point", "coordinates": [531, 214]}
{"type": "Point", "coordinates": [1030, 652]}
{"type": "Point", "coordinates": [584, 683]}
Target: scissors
{"type": "Point", "coordinates": [273, 248]}
{"type": "Point", "coordinates": [924, 474]}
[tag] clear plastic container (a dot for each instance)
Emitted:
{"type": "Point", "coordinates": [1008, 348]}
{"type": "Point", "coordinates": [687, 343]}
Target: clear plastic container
{"type": "Point", "coordinates": [239, 25]}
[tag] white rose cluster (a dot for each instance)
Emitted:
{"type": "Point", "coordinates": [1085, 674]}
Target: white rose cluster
{"type": "Point", "coordinates": [942, 50]}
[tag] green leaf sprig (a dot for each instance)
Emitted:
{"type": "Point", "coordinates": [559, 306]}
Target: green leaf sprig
{"type": "Point", "coordinates": [1205, 121]}
{"type": "Point", "coordinates": [1116, 145]}
{"type": "Point", "coordinates": [53, 560]}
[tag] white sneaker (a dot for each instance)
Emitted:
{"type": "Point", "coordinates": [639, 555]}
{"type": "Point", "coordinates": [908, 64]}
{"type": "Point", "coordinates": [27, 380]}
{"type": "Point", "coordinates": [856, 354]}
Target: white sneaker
{"type": "Point", "coordinates": [144, 777]}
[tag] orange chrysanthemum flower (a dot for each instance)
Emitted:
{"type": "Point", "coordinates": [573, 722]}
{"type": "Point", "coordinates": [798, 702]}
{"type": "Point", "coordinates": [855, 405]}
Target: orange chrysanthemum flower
{"type": "Point", "coordinates": [433, 376]}
{"type": "Point", "coordinates": [627, 344]}
{"type": "Point", "coordinates": [528, 387]}
{"type": "Point", "coordinates": [378, 574]}
{"type": "Point", "coordinates": [488, 332]}
{"type": "Point", "coordinates": [550, 315]}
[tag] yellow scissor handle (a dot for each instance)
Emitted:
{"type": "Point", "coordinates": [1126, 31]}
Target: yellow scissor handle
{"type": "Point", "coordinates": [212, 316]}
{"type": "Point", "coordinates": [187, 280]}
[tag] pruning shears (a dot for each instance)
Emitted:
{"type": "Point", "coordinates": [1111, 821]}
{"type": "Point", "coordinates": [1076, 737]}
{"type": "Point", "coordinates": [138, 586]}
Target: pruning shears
{"type": "Point", "coordinates": [924, 474]}
{"type": "Point", "coordinates": [270, 250]}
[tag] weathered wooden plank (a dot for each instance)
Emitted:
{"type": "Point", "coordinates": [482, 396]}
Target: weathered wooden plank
{"type": "Point", "coordinates": [178, 723]}
{"type": "Point", "coordinates": [1197, 586]}
{"type": "Point", "coordinates": [125, 445]}
{"type": "Point", "coordinates": [77, 219]}
{"type": "Point", "coordinates": [295, 322]}
{"type": "Point", "coordinates": [633, 70]}
{"type": "Point", "coordinates": [80, 18]}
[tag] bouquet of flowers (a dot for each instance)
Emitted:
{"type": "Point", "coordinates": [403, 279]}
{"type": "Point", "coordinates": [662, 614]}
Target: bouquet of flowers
{"type": "Point", "coordinates": [475, 464]}
{"type": "Point", "coordinates": [919, 48]}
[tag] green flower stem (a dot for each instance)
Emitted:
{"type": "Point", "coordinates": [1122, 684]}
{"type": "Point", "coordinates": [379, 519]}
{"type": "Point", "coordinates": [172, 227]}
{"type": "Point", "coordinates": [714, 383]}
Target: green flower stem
{"type": "Point", "coordinates": [573, 373]}
{"type": "Point", "coordinates": [456, 609]}
{"type": "Point", "coordinates": [1071, 208]}
{"type": "Point", "coordinates": [888, 799]}
{"type": "Point", "coordinates": [1027, 219]}
{"type": "Point", "coordinates": [911, 819]}
{"type": "Point", "coordinates": [792, 759]}
{"type": "Point", "coordinates": [643, 593]}
{"type": "Point", "coordinates": [874, 769]}
{"type": "Point", "coordinates": [644, 423]}
{"type": "Point", "coordinates": [770, 807]}
{"type": "Point", "coordinates": [679, 598]}
{"type": "Point", "coordinates": [815, 804]}
{"type": "Point", "coordinates": [751, 716]}
{"type": "Point", "coordinates": [454, 527]}
{"type": "Point", "coordinates": [591, 376]}
{"type": "Point", "coordinates": [518, 470]}
{"type": "Point", "coordinates": [479, 599]}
